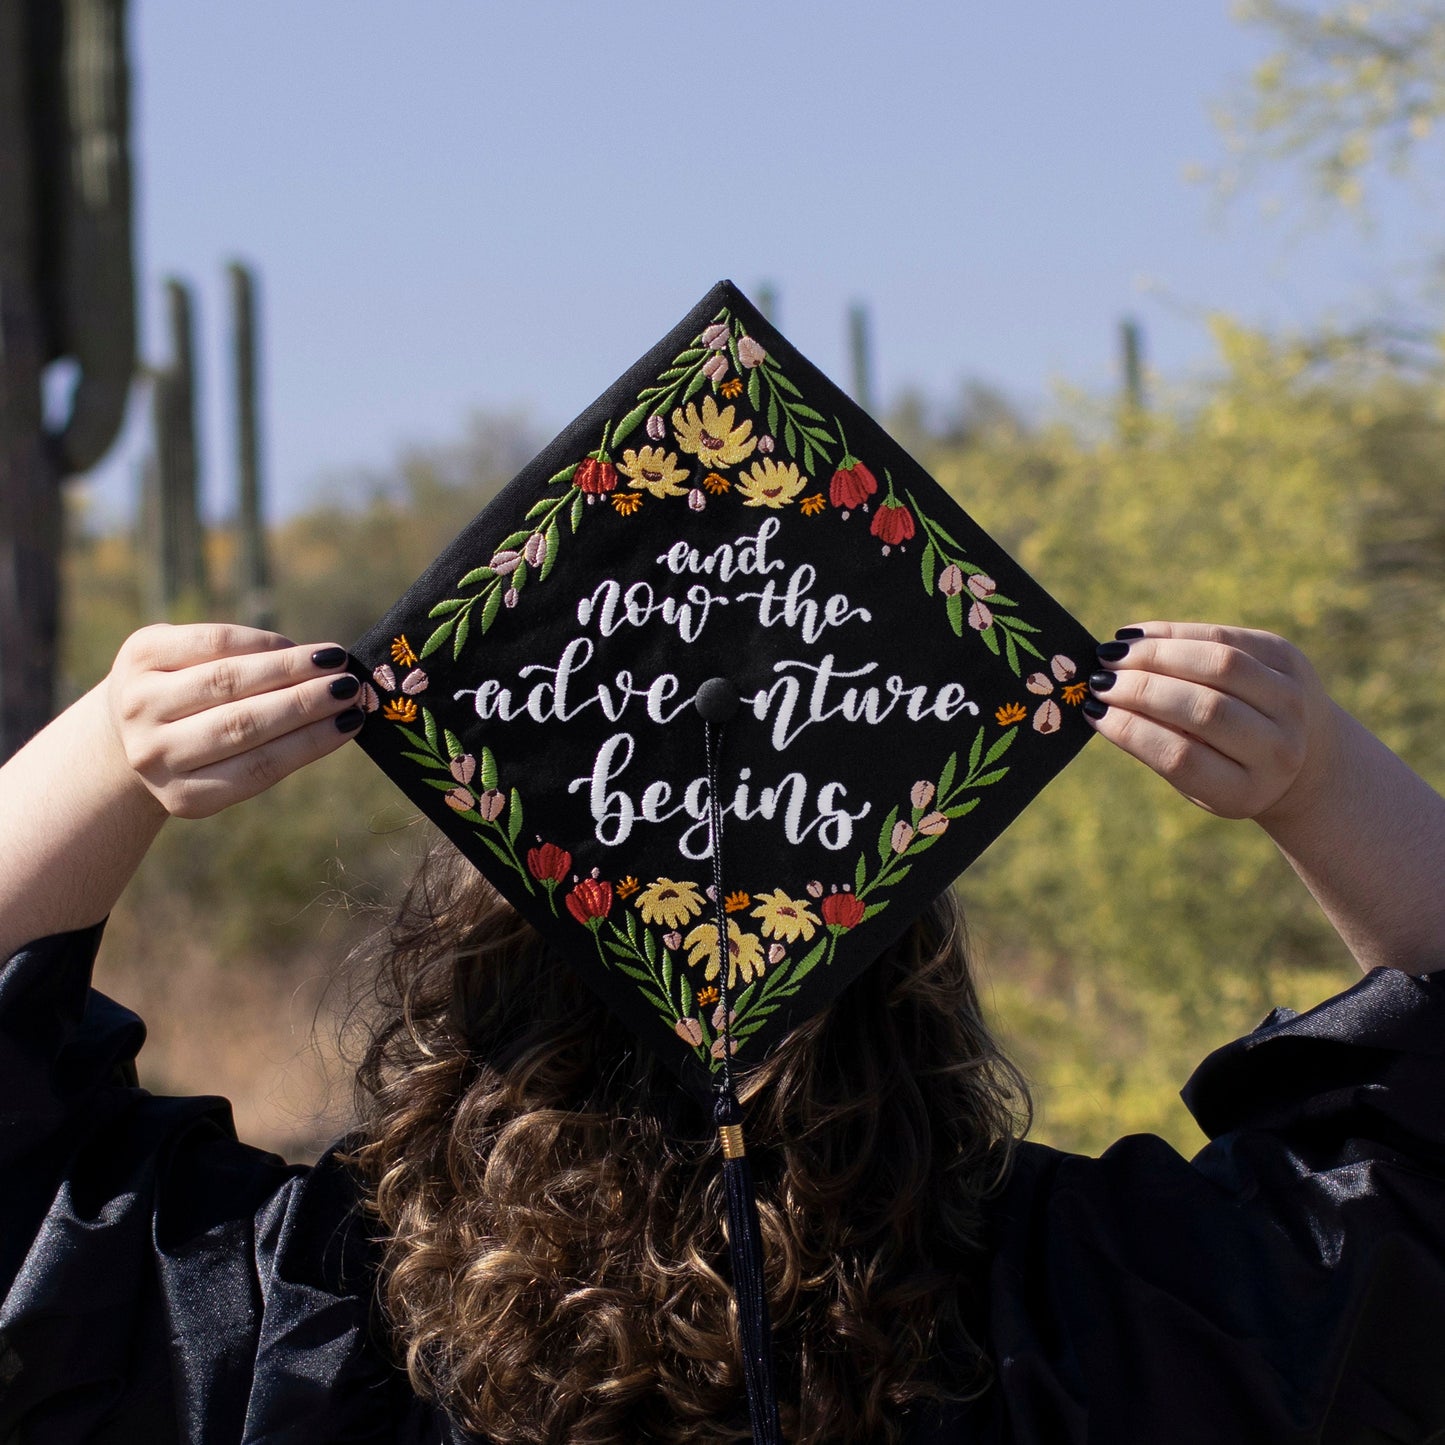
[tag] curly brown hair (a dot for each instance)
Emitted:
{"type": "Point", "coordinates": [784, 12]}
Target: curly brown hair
{"type": "Point", "coordinates": [552, 1205]}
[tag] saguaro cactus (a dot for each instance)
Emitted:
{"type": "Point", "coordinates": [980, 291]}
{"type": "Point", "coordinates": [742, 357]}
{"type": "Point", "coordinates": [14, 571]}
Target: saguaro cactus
{"type": "Point", "coordinates": [1131, 362]}
{"type": "Point", "coordinates": [66, 290]}
{"type": "Point", "coordinates": [861, 353]}
{"type": "Point", "coordinates": [253, 573]}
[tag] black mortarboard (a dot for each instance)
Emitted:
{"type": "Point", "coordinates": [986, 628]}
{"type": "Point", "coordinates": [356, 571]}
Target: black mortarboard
{"type": "Point", "coordinates": [723, 590]}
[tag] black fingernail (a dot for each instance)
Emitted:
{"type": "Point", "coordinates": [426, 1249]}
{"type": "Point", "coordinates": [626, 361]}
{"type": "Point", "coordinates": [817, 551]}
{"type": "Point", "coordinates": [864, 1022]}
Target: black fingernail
{"type": "Point", "coordinates": [1112, 651]}
{"type": "Point", "coordinates": [1101, 681]}
{"type": "Point", "coordinates": [353, 717]}
{"type": "Point", "coordinates": [1129, 632]}
{"type": "Point", "coordinates": [329, 656]}
{"type": "Point", "coordinates": [344, 686]}
{"type": "Point", "coordinates": [1094, 708]}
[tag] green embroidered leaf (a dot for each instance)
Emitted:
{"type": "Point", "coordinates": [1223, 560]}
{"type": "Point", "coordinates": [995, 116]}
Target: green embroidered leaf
{"type": "Point", "coordinates": [772, 413]}
{"type": "Point", "coordinates": [743, 1004]}
{"type": "Point", "coordinates": [489, 769]}
{"type": "Point", "coordinates": [514, 815]}
{"type": "Point", "coordinates": [631, 919]}
{"type": "Point", "coordinates": [807, 963]}
{"type": "Point", "coordinates": [782, 381]}
{"type": "Point", "coordinates": [667, 968]}
{"type": "Point", "coordinates": [1011, 654]}
{"type": "Point", "coordinates": [445, 609]}
{"type": "Point", "coordinates": [697, 383]}
{"type": "Point", "coordinates": [628, 424]}
{"type": "Point", "coordinates": [790, 438]}
{"type": "Point", "coordinates": [495, 847]}
{"type": "Point", "coordinates": [686, 993]}
{"type": "Point", "coordinates": [990, 777]}
{"type": "Point", "coordinates": [492, 607]}
{"type": "Point", "coordinates": [460, 640]}
{"type": "Point", "coordinates": [513, 539]}
{"type": "Point", "coordinates": [885, 835]}
{"type": "Point", "coordinates": [803, 410]}
{"type": "Point", "coordinates": [999, 748]}
{"type": "Point", "coordinates": [437, 638]}
{"type": "Point", "coordinates": [1028, 647]}
{"type": "Point", "coordinates": [928, 562]}
{"type": "Point", "coordinates": [660, 1004]}
{"type": "Point", "coordinates": [945, 778]}
{"type": "Point", "coordinates": [454, 744]}
{"type": "Point", "coordinates": [424, 759]}
{"type": "Point", "coordinates": [873, 909]}
{"type": "Point", "coordinates": [538, 507]}
{"type": "Point", "coordinates": [445, 787]}
{"type": "Point", "coordinates": [565, 475]}
{"type": "Point", "coordinates": [578, 506]}
{"type": "Point", "coordinates": [429, 723]}
{"type": "Point", "coordinates": [414, 738]}
{"type": "Point", "coordinates": [552, 540]}
{"type": "Point", "coordinates": [860, 873]}
{"type": "Point", "coordinates": [997, 599]}
{"type": "Point", "coordinates": [961, 809]}
{"type": "Point", "coordinates": [755, 389]}
{"type": "Point", "coordinates": [954, 608]}
{"type": "Point", "coordinates": [1017, 624]}
{"type": "Point", "coordinates": [989, 640]}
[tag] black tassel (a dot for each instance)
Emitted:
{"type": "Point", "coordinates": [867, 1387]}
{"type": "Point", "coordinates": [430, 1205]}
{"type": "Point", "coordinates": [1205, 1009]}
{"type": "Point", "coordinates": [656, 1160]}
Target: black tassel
{"type": "Point", "coordinates": [745, 1248]}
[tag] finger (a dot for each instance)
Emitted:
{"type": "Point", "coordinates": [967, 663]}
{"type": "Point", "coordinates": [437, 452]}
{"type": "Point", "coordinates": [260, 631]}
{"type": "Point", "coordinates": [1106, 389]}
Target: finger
{"type": "Point", "coordinates": [1270, 648]}
{"type": "Point", "coordinates": [1236, 729]}
{"type": "Point", "coordinates": [235, 728]}
{"type": "Point", "coordinates": [1221, 666]}
{"type": "Point", "coordinates": [214, 683]}
{"type": "Point", "coordinates": [207, 790]}
{"type": "Point", "coordinates": [163, 647]}
{"type": "Point", "coordinates": [1203, 775]}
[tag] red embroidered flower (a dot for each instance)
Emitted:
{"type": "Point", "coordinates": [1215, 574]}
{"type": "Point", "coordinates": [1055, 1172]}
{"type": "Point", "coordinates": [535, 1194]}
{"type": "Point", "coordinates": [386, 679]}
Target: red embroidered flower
{"type": "Point", "coordinates": [851, 485]}
{"type": "Point", "coordinates": [842, 910]}
{"type": "Point", "coordinates": [548, 863]}
{"type": "Point", "coordinates": [590, 901]}
{"type": "Point", "coordinates": [892, 524]}
{"type": "Point", "coordinates": [594, 477]}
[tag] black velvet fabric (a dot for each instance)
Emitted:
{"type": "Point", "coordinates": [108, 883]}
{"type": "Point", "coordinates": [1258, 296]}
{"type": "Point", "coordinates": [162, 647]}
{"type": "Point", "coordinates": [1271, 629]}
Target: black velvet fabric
{"type": "Point", "coordinates": [165, 1283]}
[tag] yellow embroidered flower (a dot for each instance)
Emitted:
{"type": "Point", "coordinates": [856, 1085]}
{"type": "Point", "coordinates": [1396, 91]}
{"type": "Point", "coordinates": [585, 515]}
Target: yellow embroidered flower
{"type": "Point", "coordinates": [745, 952]}
{"type": "Point", "coordinates": [400, 709]}
{"type": "Point", "coordinates": [717, 485]}
{"type": "Point", "coordinates": [771, 484]}
{"type": "Point", "coordinates": [401, 652]}
{"type": "Point", "coordinates": [626, 887]}
{"type": "Point", "coordinates": [654, 470]}
{"type": "Point", "coordinates": [626, 502]}
{"type": "Point", "coordinates": [811, 506]}
{"type": "Point", "coordinates": [669, 903]}
{"type": "Point", "coordinates": [1011, 713]}
{"type": "Point", "coordinates": [788, 919]}
{"type": "Point", "coordinates": [731, 389]}
{"type": "Point", "coordinates": [1075, 692]}
{"type": "Point", "coordinates": [711, 437]}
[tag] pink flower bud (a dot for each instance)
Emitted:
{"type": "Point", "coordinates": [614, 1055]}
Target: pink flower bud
{"type": "Point", "coordinates": [672, 940]}
{"type": "Point", "coordinates": [932, 824]}
{"type": "Point", "coordinates": [979, 617]}
{"type": "Point", "coordinates": [777, 953]}
{"type": "Point", "coordinates": [815, 889]}
{"type": "Point", "coordinates": [950, 580]}
{"type": "Point", "coordinates": [414, 682]}
{"type": "Point", "coordinates": [689, 1031]}
{"type": "Point", "coordinates": [464, 768]}
{"type": "Point", "coordinates": [695, 499]}
{"type": "Point", "coordinates": [922, 794]}
{"type": "Point", "coordinates": [368, 701]}
{"type": "Point", "coordinates": [716, 336]}
{"type": "Point", "coordinates": [656, 427]}
{"type": "Point", "coordinates": [461, 799]}
{"type": "Point", "coordinates": [902, 836]}
{"type": "Point", "coordinates": [717, 1016]}
{"type": "Point", "coordinates": [491, 804]}
{"type": "Point", "coordinates": [717, 1047]}
{"type": "Point", "coordinates": [535, 551]}
{"type": "Point", "coordinates": [715, 367]}
{"type": "Point", "coordinates": [1040, 683]}
{"type": "Point", "coordinates": [750, 353]}
{"type": "Point", "coordinates": [982, 585]}
{"type": "Point", "coordinates": [384, 677]}
{"type": "Point", "coordinates": [1048, 718]}
{"type": "Point", "coordinates": [510, 600]}
{"type": "Point", "coordinates": [1062, 667]}
{"type": "Point", "coordinates": [766, 444]}
{"type": "Point", "coordinates": [505, 562]}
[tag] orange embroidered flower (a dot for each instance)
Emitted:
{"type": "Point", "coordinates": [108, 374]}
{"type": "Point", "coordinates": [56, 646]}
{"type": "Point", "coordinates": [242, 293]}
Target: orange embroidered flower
{"type": "Point", "coordinates": [706, 996]}
{"type": "Point", "coordinates": [626, 887]}
{"type": "Point", "coordinates": [1075, 692]}
{"type": "Point", "coordinates": [811, 506]}
{"type": "Point", "coordinates": [731, 389]}
{"type": "Point", "coordinates": [736, 901]}
{"type": "Point", "coordinates": [626, 502]}
{"type": "Point", "coordinates": [1011, 713]}
{"type": "Point", "coordinates": [401, 652]}
{"type": "Point", "coordinates": [715, 484]}
{"type": "Point", "coordinates": [400, 709]}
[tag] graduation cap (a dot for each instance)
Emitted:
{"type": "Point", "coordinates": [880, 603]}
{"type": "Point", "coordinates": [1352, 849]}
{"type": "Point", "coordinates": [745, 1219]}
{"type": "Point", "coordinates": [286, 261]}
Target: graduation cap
{"type": "Point", "coordinates": [720, 692]}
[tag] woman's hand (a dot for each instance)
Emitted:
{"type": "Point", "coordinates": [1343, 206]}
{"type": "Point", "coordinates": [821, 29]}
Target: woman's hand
{"type": "Point", "coordinates": [1231, 717]}
{"type": "Point", "coordinates": [1239, 723]}
{"type": "Point", "coordinates": [189, 721]}
{"type": "Point", "coordinates": [209, 715]}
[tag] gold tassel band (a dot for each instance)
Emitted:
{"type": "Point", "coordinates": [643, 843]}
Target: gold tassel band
{"type": "Point", "coordinates": [731, 1136]}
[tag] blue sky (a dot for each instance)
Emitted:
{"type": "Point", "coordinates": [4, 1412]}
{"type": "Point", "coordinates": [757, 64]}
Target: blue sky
{"type": "Point", "coordinates": [458, 205]}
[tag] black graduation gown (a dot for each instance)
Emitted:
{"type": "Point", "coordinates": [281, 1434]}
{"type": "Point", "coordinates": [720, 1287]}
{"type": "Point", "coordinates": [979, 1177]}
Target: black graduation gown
{"type": "Point", "coordinates": [165, 1283]}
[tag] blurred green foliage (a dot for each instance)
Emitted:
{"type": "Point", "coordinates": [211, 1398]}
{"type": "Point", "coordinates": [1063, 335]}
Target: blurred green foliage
{"type": "Point", "coordinates": [1121, 932]}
